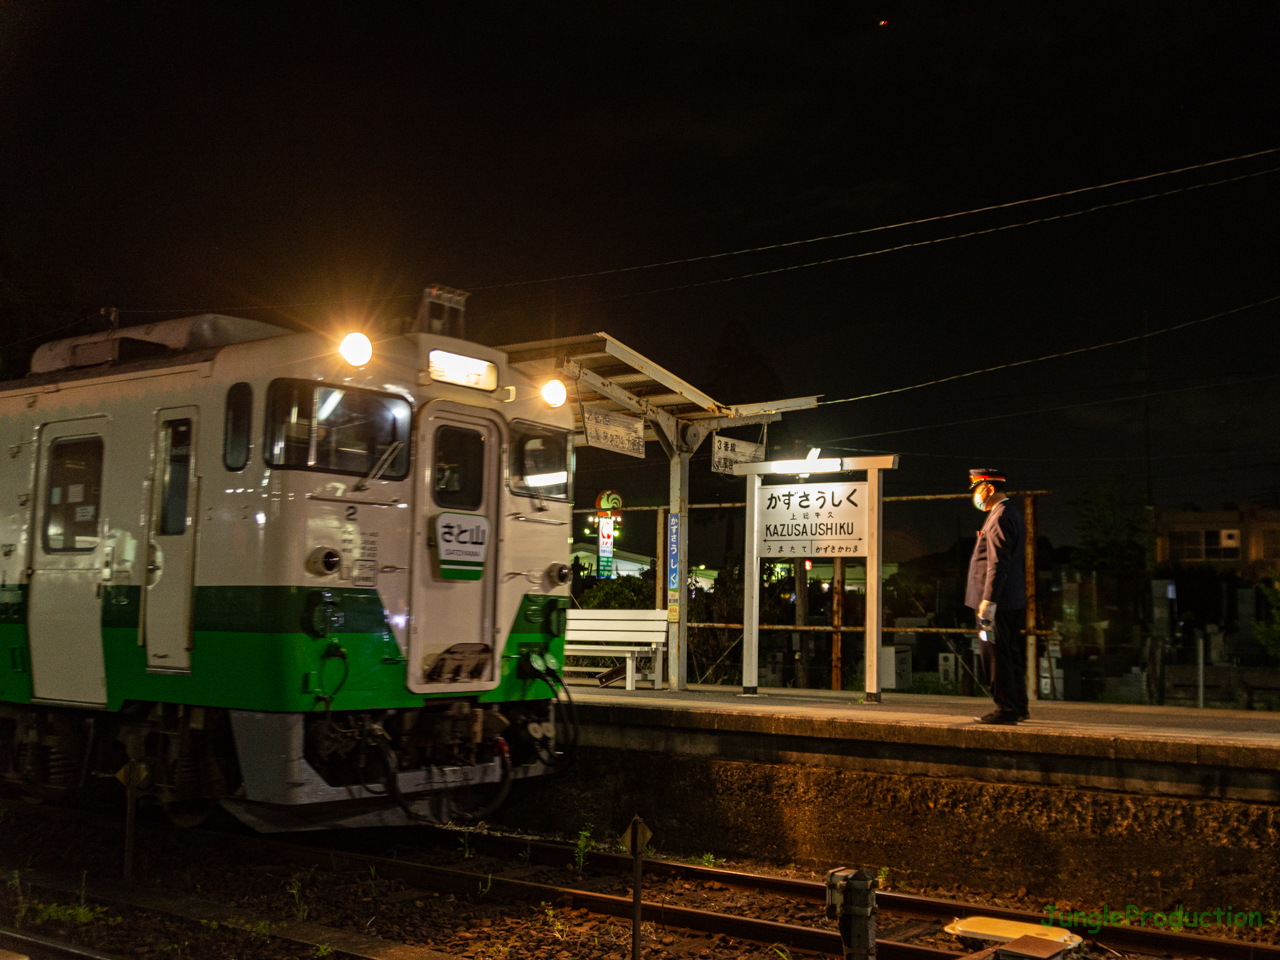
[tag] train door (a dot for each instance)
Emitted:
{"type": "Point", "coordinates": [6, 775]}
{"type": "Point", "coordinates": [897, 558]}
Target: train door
{"type": "Point", "coordinates": [452, 644]}
{"type": "Point", "coordinates": [171, 537]}
{"type": "Point", "coordinates": [64, 617]}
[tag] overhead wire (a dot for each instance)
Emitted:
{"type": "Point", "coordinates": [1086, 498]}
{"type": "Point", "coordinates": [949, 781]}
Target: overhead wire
{"type": "Point", "coordinates": [791, 243]}
{"type": "Point", "coordinates": [1061, 353]}
{"type": "Point", "coordinates": [920, 243]}
{"type": "Point", "coordinates": [888, 226]}
{"type": "Point", "coordinates": [1067, 406]}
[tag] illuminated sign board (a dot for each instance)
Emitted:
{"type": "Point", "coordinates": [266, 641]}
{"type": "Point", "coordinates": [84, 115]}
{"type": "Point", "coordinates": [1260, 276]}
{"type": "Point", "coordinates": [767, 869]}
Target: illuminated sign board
{"type": "Point", "coordinates": [464, 371]}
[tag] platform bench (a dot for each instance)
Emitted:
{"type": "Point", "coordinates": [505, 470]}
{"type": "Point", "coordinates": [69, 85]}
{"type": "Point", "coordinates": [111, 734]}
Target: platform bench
{"type": "Point", "coordinates": [628, 634]}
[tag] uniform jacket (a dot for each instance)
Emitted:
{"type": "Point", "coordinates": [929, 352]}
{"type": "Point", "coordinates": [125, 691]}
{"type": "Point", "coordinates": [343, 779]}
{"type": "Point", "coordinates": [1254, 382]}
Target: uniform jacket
{"type": "Point", "coordinates": [996, 567]}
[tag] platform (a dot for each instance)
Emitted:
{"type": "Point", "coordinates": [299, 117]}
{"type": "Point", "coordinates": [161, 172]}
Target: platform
{"type": "Point", "coordinates": [1169, 751]}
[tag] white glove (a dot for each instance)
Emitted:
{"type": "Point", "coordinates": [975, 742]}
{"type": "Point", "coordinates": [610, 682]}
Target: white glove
{"type": "Point", "coordinates": [986, 610]}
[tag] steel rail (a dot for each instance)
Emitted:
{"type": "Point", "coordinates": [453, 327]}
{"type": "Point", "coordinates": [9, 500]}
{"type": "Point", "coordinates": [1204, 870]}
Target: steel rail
{"type": "Point", "coordinates": [42, 948]}
{"type": "Point", "coordinates": [1135, 939]}
{"type": "Point", "coordinates": [702, 921]}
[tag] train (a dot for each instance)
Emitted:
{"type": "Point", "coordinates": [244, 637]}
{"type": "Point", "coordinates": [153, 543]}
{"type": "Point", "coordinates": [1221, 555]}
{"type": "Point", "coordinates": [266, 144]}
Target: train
{"type": "Point", "coordinates": [318, 580]}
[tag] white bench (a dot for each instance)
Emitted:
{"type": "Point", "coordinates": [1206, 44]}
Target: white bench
{"type": "Point", "coordinates": [629, 634]}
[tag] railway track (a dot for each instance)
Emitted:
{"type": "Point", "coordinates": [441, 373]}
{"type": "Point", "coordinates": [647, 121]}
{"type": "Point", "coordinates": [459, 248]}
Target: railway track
{"type": "Point", "coordinates": [1143, 940]}
{"type": "Point", "coordinates": [897, 909]}
{"type": "Point", "coordinates": [41, 948]}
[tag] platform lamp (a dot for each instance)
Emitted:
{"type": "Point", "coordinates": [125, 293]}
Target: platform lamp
{"type": "Point", "coordinates": [873, 538]}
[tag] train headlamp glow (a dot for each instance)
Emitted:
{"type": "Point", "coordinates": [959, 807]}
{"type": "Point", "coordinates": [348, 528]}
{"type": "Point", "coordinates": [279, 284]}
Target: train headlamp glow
{"type": "Point", "coordinates": [464, 371]}
{"type": "Point", "coordinates": [356, 349]}
{"type": "Point", "coordinates": [554, 392]}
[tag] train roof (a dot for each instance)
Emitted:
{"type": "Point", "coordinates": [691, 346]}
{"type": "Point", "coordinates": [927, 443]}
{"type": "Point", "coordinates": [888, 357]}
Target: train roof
{"type": "Point", "coordinates": [166, 337]}
{"type": "Point", "coordinates": [165, 343]}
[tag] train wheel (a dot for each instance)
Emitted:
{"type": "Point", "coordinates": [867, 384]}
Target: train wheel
{"type": "Point", "coordinates": [189, 814]}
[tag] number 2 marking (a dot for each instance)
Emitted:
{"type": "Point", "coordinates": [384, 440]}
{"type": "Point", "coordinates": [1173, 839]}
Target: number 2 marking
{"type": "Point", "coordinates": [351, 513]}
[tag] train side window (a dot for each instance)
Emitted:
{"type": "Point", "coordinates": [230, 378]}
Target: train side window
{"type": "Point", "coordinates": [541, 461]}
{"type": "Point", "coordinates": [239, 423]}
{"type": "Point", "coordinates": [176, 481]}
{"type": "Point", "coordinates": [74, 495]}
{"type": "Point", "coordinates": [459, 468]}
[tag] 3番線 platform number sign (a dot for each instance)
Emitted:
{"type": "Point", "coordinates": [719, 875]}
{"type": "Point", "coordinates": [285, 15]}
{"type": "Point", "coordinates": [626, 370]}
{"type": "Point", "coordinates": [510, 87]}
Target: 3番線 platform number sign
{"type": "Point", "coordinates": [812, 520]}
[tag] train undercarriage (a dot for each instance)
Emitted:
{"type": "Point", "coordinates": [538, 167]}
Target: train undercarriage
{"type": "Point", "coordinates": [442, 762]}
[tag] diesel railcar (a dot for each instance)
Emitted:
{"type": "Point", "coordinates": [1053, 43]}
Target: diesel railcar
{"type": "Point", "coordinates": [320, 583]}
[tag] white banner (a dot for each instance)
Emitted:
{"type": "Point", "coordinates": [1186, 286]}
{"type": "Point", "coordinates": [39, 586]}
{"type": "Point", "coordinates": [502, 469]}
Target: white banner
{"type": "Point", "coordinates": [619, 432]}
{"type": "Point", "coordinates": [726, 451]}
{"type": "Point", "coordinates": [812, 520]}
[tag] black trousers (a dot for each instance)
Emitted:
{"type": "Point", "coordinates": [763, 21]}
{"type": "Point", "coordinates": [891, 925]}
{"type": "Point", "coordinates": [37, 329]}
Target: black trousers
{"type": "Point", "coordinates": [1004, 660]}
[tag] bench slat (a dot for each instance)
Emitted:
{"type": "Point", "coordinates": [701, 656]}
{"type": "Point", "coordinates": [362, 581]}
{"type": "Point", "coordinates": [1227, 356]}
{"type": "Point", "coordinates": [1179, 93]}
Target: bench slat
{"type": "Point", "coordinates": [600, 637]}
{"type": "Point", "coordinates": [607, 626]}
{"type": "Point", "coordinates": [646, 615]}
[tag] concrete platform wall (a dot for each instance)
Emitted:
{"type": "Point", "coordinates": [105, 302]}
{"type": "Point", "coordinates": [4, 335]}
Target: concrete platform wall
{"type": "Point", "coordinates": [1057, 842]}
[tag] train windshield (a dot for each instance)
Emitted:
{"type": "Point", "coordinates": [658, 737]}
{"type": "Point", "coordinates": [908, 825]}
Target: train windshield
{"type": "Point", "coordinates": [311, 426]}
{"type": "Point", "coordinates": [540, 464]}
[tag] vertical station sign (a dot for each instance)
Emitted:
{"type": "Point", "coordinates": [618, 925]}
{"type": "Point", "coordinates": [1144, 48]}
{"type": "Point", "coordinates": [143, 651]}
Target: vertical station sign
{"type": "Point", "coordinates": [812, 520]}
{"type": "Point", "coordinates": [673, 567]}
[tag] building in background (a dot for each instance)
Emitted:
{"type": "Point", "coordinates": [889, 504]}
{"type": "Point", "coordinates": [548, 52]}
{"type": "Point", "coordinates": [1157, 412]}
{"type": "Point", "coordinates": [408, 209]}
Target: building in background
{"type": "Point", "coordinates": [1245, 541]}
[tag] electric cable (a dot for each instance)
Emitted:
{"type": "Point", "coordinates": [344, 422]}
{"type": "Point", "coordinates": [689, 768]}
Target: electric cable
{"type": "Point", "coordinates": [918, 243]}
{"type": "Point", "coordinates": [1067, 406]}
{"type": "Point", "coordinates": [887, 226]}
{"type": "Point", "coordinates": [777, 246]}
{"type": "Point", "coordinates": [1055, 356]}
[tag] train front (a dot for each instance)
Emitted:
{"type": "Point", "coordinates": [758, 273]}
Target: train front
{"type": "Point", "coordinates": [423, 490]}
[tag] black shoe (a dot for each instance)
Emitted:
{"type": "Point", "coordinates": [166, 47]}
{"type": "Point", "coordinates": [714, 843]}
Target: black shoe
{"type": "Point", "coordinates": [999, 718]}
{"type": "Point", "coordinates": [1024, 715]}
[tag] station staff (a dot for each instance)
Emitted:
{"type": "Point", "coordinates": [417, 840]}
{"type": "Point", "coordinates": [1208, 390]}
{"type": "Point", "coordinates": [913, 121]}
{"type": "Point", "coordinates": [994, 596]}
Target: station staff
{"type": "Point", "coordinates": [997, 593]}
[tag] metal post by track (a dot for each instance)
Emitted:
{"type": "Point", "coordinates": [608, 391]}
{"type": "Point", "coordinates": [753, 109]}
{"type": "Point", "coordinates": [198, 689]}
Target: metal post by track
{"type": "Point", "coordinates": [636, 837]}
{"type": "Point", "coordinates": [851, 902]}
{"type": "Point", "coordinates": [132, 775]}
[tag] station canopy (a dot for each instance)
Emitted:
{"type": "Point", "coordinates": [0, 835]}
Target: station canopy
{"type": "Point", "coordinates": [608, 375]}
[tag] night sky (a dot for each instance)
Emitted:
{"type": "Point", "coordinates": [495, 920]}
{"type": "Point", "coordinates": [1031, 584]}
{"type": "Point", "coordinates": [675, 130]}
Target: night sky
{"type": "Point", "coordinates": [270, 161]}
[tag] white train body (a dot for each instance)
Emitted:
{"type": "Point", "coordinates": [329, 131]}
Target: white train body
{"type": "Point", "coordinates": [214, 530]}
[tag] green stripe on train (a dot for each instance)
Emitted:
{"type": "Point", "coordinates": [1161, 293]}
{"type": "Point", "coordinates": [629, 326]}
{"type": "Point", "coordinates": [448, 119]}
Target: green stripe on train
{"type": "Point", "coordinates": [255, 648]}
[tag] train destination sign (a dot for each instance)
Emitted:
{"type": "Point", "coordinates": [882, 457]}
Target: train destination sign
{"type": "Point", "coordinates": [462, 545]}
{"type": "Point", "coordinates": [812, 520]}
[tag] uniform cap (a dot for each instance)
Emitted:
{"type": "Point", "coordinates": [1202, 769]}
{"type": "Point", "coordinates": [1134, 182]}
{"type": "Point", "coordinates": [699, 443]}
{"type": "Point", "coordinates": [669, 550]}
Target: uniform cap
{"type": "Point", "coordinates": [983, 476]}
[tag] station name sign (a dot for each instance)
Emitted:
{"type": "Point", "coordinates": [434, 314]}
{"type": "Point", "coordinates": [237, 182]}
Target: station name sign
{"type": "Point", "coordinates": [812, 520]}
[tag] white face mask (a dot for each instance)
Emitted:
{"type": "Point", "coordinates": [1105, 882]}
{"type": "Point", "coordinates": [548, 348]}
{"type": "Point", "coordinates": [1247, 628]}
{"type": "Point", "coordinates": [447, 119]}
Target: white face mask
{"type": "Point", "coordinates": [979, 500]}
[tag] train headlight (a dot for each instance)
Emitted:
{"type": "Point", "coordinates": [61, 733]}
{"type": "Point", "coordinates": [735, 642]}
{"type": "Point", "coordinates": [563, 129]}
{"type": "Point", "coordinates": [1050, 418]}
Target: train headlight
{"type": "Point", "coordinates": [356, 349]}
{"type": "Point", "coordinates": [554, 392]}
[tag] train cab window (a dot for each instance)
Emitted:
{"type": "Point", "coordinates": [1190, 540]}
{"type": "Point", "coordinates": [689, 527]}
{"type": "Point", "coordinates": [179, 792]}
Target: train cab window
{"type": "Point", "coordinates": [540, 464]}
{"type": "Point", "coordinates": [175, 482]}
{"type": "Point", "coordinates": [459, 468]}
{"type": "Point", "coordinates": [337, 430]}
{"type": "Point", "coordinates": [74, 495]}
{"type": "Point", "coordinates": [237, 427]}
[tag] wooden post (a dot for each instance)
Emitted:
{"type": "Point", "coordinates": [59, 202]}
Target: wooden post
{"type": "Point", "coordinates": [1029, 568]}
{"type": "Point", "coordinates": [660, 562]}
{"type": "Point", "coordinates": [837, 621]}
